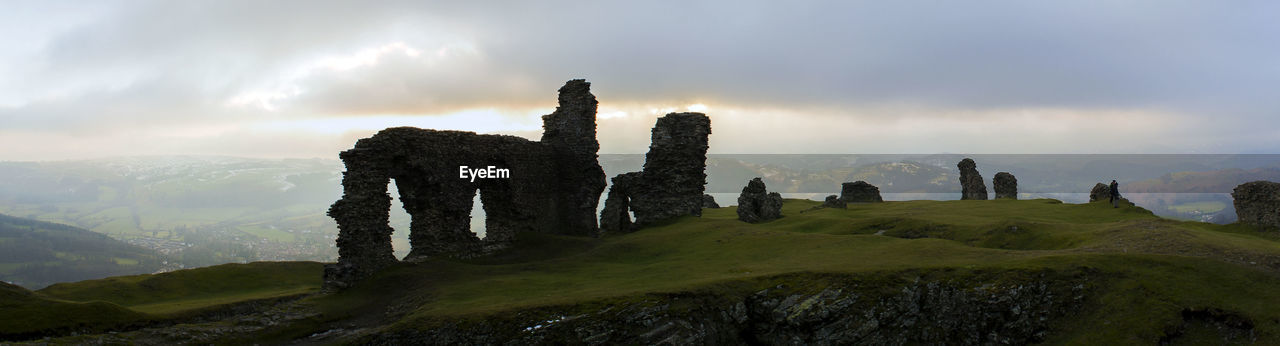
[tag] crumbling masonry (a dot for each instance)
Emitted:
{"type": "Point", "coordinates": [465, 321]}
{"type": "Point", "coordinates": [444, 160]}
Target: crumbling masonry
{"type": "Point", "coordinates": [672, 181]}
{"type": "Point", "coordinates": [553, 186]}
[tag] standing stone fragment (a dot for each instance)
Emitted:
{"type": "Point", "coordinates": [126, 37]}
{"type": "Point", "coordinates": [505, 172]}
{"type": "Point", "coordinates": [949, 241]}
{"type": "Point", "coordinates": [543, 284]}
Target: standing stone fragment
{"type": "Point", "coordinates": [971, 184]}
{"type": "Point", "coordinates": [709, 202]}
{"type": "Point", "coordinates": [1006, 185]}
{"type": "Point", "coordinates": [1100, 192]}
{"type": "Point", "coordinates": [674, 176]}
{"type": "Point", "coordinates": [756, 204]}
{"type": "Point", "coordinates": [834, 201]}
{"type": "Point", "coordinates": [860, 192]}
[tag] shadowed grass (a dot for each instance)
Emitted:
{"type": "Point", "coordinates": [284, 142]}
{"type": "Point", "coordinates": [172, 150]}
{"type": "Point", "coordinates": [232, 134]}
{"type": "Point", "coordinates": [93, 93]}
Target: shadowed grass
{"type": "Point", "coordinates": [175, 292]}
{"type": "Point", "coordinates": [1153, 268]}
{"type": "Point", "coordinates": [1145, 272]}
{"type": "Point", "coordinates": [25, 314]}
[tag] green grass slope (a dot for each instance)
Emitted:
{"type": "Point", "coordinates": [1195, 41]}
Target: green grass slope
{"type": "Point", "coordinates": [1145, 279]}
{"type": "Point", "coordinates": [24, 314]}
{"type": "Point", "coordinates": [185, 291]}
{"type": "Point", "coordinates": [37, 253]}
{"type": "Point", "coordinates": [1156, 278]}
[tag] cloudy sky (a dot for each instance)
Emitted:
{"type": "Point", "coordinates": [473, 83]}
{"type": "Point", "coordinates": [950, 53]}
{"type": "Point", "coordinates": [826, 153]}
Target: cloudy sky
{"type": "Point", "coordinates": [308, 78]}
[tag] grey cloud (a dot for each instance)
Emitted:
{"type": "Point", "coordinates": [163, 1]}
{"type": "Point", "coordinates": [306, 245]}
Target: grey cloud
{"type": "Point", "coordinates": [1195, 57]}
{"type": "Point", "coordinates": [146, 102]}
{"type": "Point", "coordinates": [402, 84]}
{"type": "Point", "coordinates": [1210, 59]}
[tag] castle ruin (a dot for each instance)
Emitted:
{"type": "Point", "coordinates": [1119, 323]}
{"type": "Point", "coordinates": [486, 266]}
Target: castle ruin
{"type": "Point", "coordinates": [551, 186]}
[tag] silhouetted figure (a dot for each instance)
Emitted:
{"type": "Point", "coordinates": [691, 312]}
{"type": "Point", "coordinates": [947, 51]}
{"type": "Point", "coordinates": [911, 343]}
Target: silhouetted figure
{"type": "Point", "coordinates": [1114, 190]}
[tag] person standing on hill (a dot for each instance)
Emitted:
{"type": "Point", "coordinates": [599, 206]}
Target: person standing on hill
{"type": "Point", "coordinates": [1114, 191]}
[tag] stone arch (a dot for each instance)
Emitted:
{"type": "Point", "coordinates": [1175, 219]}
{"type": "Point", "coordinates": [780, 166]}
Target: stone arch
{"type": "Point", "coordinates": [551, 186]}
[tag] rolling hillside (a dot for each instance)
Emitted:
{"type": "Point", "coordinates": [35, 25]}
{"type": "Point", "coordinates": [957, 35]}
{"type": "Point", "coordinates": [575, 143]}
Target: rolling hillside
{"type": "Point", "coordinates": [35, 254]}
{"type": "Point", "coordinates": [1217, 181]}
{"type": "Point", "coordinates": [26, 315]}
{"type": "Point", "coordinates": [1006, 271]}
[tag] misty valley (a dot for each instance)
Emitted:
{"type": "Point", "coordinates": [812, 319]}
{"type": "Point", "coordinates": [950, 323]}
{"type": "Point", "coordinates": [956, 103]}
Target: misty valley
{"type": "Point", "coordinates": [194, 211]}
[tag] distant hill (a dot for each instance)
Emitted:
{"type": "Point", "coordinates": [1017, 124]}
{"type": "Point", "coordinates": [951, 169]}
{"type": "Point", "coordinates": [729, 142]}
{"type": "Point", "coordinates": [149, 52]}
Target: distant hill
{"type": "Point", "coordinates": [914, 272]}
{"type": "Point", "coordinates": [1218, 181]}
{"type": "Point", "coordinates": [35, 254]}
{"type": "Point", "coordinates": [729, 175]}
{"type": "Point", "coordinates": [907, 176]}
{"type": "Point", "coordinates": [201, 210]}
{"type": "Point", "coordinates": [209, 210]}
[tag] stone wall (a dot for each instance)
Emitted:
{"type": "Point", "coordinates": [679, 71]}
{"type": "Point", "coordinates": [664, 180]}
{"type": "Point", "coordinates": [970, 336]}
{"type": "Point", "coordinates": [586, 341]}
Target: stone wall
{"type": "Point", "coordinates": [1258, 203]}
{"type": "Point", "coordinates": [672, 181]}
{"type": "Point", "coordinates": [570, 131]}
{"type": "Point", "coordinates": [552, 186]}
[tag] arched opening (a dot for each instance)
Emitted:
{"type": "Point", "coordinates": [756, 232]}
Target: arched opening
{"type": "Point", "coordinates": [631, 213]}
{"type": "Point", "coordinates": [398, 219]}
{"type": "Point", "coordinates": [478, 216]}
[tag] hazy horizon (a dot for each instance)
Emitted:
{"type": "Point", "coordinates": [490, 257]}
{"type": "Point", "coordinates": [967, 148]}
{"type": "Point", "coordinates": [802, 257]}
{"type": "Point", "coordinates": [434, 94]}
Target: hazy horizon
{"type": "Point", "coordinates": [307, 79]}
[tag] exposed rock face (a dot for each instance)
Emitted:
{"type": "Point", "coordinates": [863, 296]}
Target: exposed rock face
{"type": "Point", "coordinates": [550, 187]}
{"type": "Point", "coordinates": [834, 201]}
{"type": "Point", "coordinates": [1100, 192]}
{"type": "Point", "coordinates": [1258, 203]}
{"type": "Point", "coordinates": [860, 192]}
{"type": "Point", "coordinates": [915, 310]}
{"type": "Point", "coordinates": [1006, 185]}
{"type": "Point", "coordinates": [709, 202]}
{"type": "Point", "coordinates": [971, 184]}
{"type": "Point", "coordinates": [756, 204]}
{"type": "Point", "coordinates": [674, 175]}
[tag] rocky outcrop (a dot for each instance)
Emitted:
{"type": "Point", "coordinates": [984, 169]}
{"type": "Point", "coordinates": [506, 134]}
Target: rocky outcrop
{"type": "Point", "coordinates": [552, 186]}
{"type": "Point", "coordinates": [1015, 309]}
{"type": "Point", "coordinates": [756, 204]}
{"type": "Point", "coordinates": [1258, 203]}
{"type": "Point", "coordinates": [709, 202]}
{"type": "Point", "coordinates": [674, 175]}
{"type": "Point", "coordinates": [834, 201]}
{"type": "Point", "coordinates": [971, 184]}
{"type": "Point", "coordinates": [1100, 192]}
{"type": "Point", "coordinates": [1005, 185]}
{"type": "Point", "coordinates": [860, 192]}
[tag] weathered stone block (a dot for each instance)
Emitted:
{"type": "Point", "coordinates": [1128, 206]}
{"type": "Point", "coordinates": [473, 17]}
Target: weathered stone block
{"type": "Point", "coordinates": [1258, 203]}
{"type": "Point", "coordinates": [756, 204]}
{"type": "Point", "coordinates": [709, 202]}
{"type": "Point", "coordinates": [860, 192]}
{"type": "Point", "coordinates": [1006, 185]}
{"type": "Point", "coordinates": [834, 201]}
{"type": "Point", "coordinates": [971, 184]}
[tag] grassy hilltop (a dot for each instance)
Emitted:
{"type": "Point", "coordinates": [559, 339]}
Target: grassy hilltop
{"type": "Point", "coordinates": [1078, 273]}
